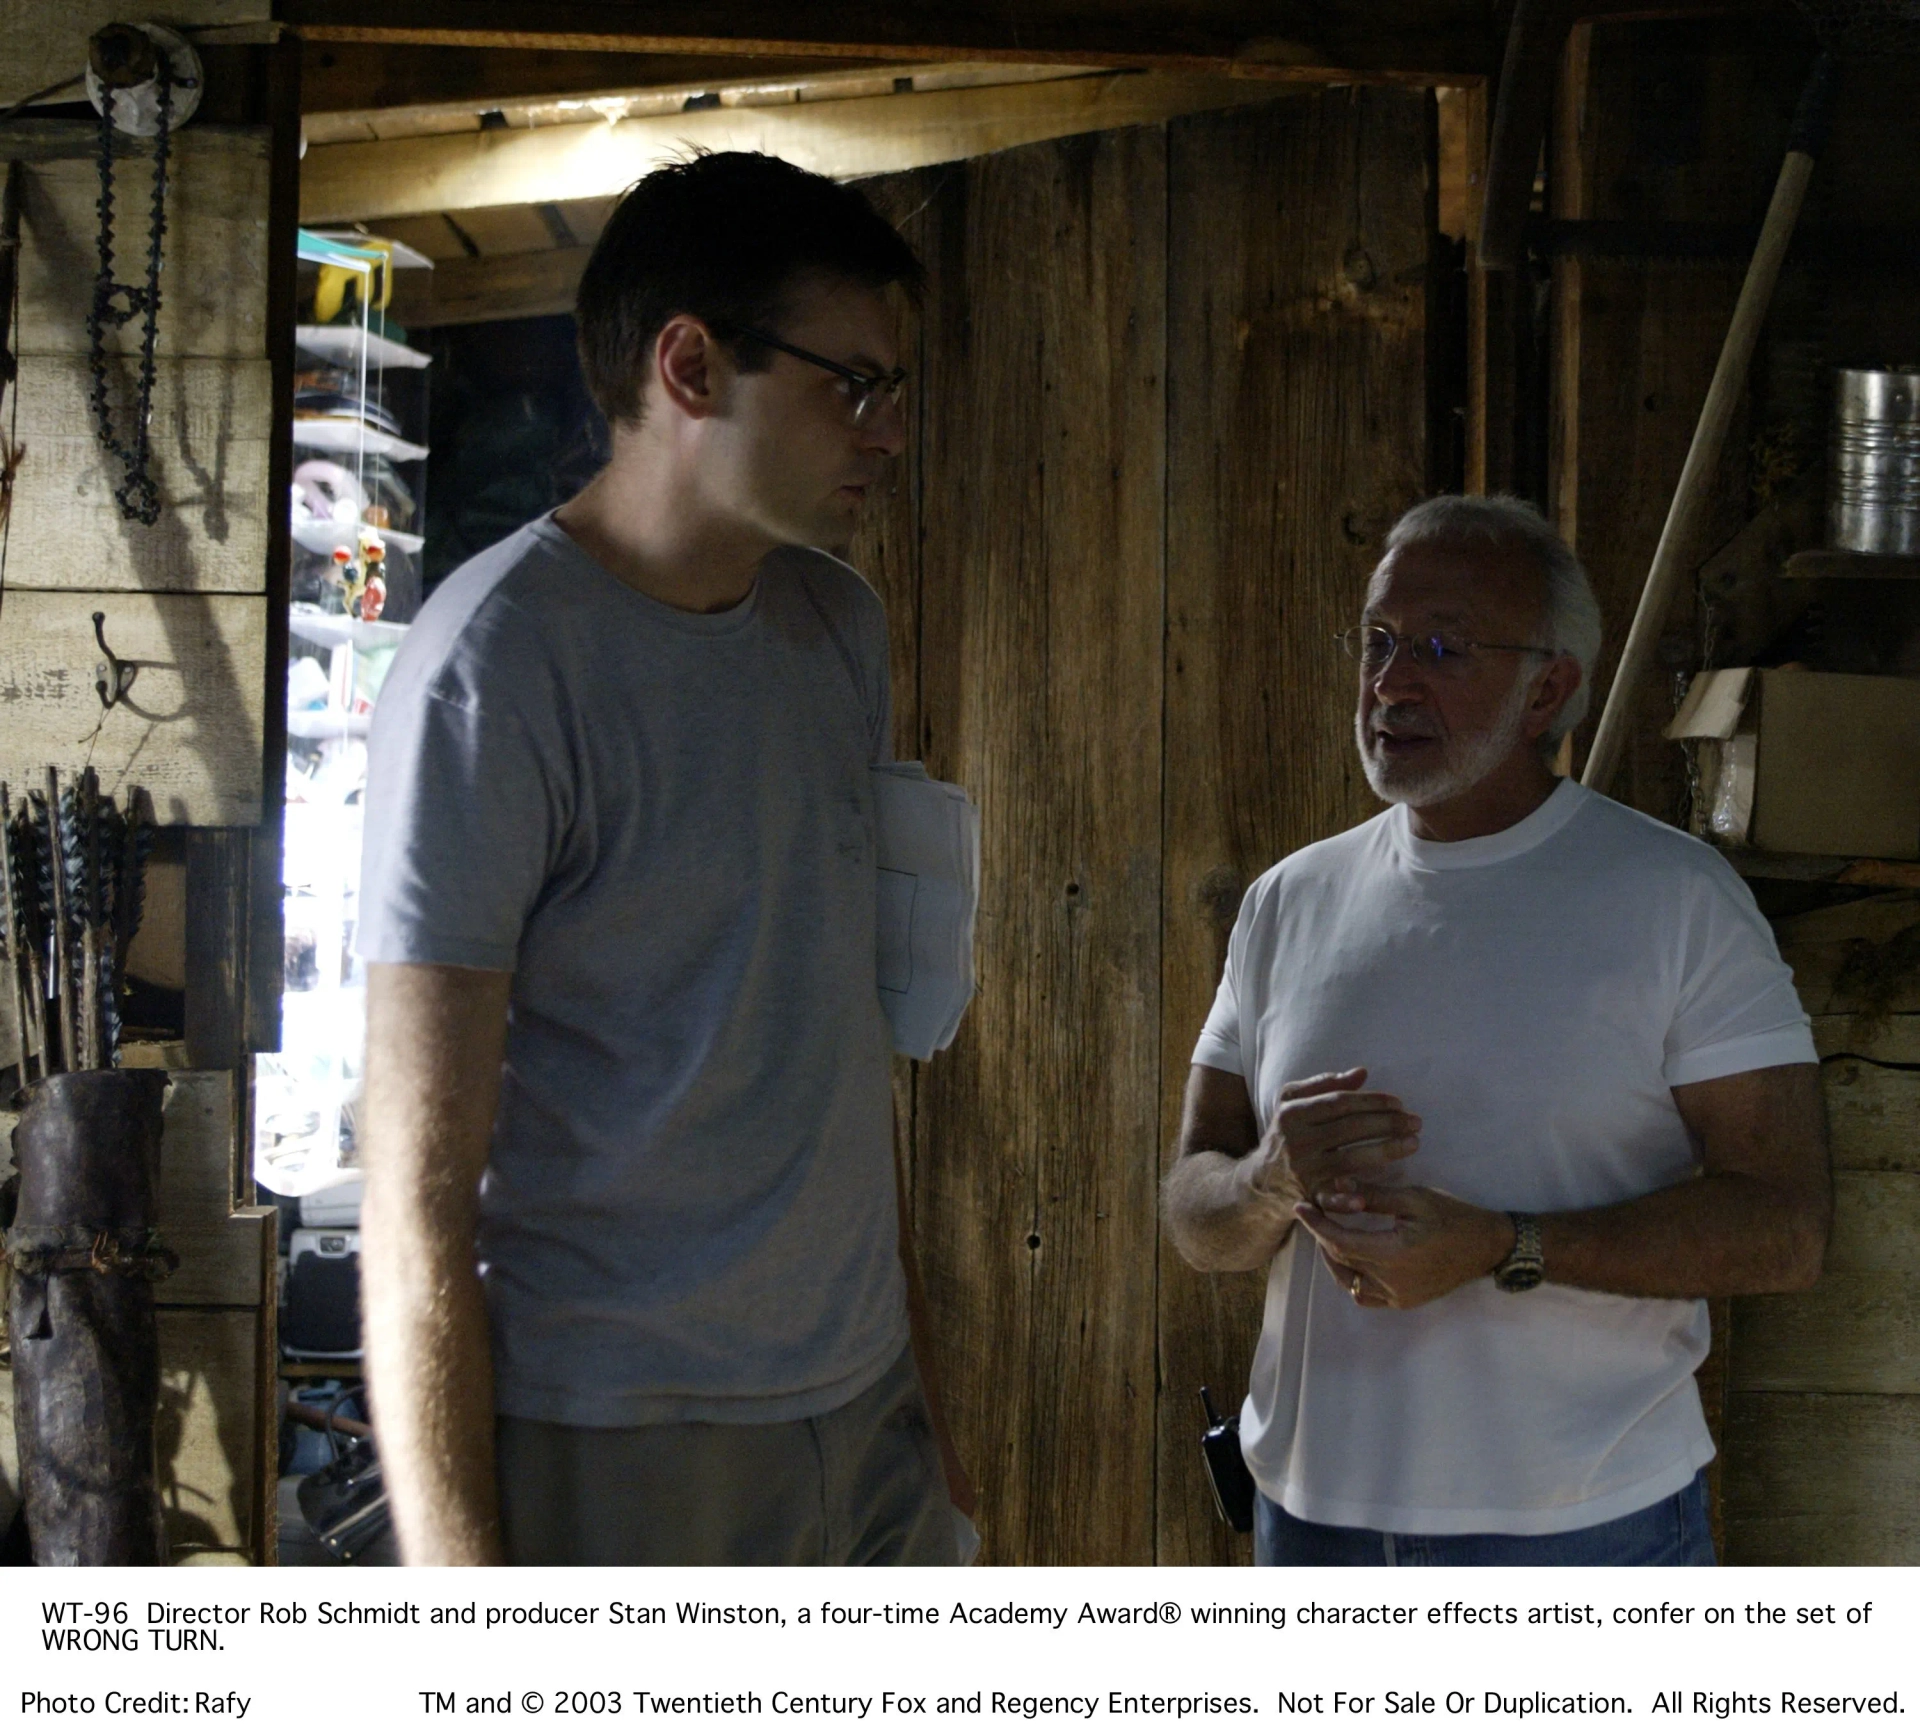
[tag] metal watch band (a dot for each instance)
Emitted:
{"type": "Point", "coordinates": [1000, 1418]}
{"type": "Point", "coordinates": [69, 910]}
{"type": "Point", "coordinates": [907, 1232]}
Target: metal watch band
{"type": "Point", "coordinates": [1525, 1266]}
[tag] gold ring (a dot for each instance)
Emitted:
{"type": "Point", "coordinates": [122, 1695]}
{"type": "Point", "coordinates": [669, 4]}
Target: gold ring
{"type": "Point", "coordinates": [1353, 1289]}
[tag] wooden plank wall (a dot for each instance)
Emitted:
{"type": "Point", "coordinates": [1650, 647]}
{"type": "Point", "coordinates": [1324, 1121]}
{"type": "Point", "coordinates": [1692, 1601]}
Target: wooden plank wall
{"type": "Point", "coordinates": [1297, 407]}
{"type": "Point", "coordinates": [1685, 122]}
{"type": "Point", "coordinates": [1823, 1417]}
{"type": "Point", "coordinates": [198, 601]}
{"type": "Point", "coordinates": [187, 597]}
{"type": "Point", "coordinates": [1657, 123]}
{"type": "Point", "coordinates": [1173, 395]}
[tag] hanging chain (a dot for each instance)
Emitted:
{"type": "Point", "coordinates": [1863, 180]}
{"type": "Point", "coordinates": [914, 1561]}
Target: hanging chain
{"type": "Point", "coordinates": [137, 495]}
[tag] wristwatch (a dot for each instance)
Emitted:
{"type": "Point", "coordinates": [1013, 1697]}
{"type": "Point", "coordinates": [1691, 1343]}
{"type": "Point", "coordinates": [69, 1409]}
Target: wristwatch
{"type": "Point", "coordinates": [1525, 1266]}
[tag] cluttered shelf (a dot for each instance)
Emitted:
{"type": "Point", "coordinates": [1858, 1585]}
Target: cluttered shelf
{"type": "Point", "coordinates": [1836, 872]}
{"type": "Point", "coordinates": [1803, 737]}
{"type": "Point", "coordinates": [1829, 564]}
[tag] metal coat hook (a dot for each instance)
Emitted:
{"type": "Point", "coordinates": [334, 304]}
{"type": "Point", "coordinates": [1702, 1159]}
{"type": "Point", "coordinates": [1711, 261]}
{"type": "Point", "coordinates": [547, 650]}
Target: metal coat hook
{"type": "Point", "coordinates": [114, 677]}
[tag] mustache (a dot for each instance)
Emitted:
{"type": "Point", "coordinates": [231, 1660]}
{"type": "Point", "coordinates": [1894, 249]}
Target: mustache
{"type": "Point", "coordinates": [1403, 718]}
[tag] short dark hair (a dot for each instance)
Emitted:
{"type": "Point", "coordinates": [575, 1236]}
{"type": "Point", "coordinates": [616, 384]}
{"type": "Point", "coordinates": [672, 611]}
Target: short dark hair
{"type": "Point", "coordinates": [722, 237]}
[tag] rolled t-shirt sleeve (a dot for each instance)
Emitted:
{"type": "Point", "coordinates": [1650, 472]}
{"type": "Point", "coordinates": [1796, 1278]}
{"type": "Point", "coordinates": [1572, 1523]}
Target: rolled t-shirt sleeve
{"type": "Point", "coordinates": [1737, 1008]}
{"type": "Point", "coordinates": [461, 817]}
{"type": "Point", "coordinates": [1219, 1045]}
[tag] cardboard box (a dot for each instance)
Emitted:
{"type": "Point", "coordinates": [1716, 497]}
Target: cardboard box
{"type": "Point", "coordinates": [1818, 762]}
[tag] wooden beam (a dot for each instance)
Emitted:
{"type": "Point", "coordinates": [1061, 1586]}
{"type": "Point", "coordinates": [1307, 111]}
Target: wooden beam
{"type": "Point", "coordinates": [479, 290]}
{"type": "Point", "coordinates": [817, 81]}
{"type": "Point", "coordinates": [847, 139]}
{"type": "Point", "coordinates": [338, 77]}
{"type": "Point", "coordinates": [1415, 40]}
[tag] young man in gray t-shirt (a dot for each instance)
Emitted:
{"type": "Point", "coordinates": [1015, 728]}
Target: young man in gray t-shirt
{"type": "Point", "coordinates": [625, 1046]}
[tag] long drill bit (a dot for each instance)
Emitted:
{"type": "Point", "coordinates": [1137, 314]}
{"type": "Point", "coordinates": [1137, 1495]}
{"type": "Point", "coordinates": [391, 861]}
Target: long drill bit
{"type": "Point", "coordinates": [129, 894]}
{"type": "Point", "coordinates": [63, 1000]}
{"type": "Point", "coordinates": [33, 923]}
{"type": "Point", "coordinates": [86, 810]}
{"type": "Point", "coordinates": [16, 959]}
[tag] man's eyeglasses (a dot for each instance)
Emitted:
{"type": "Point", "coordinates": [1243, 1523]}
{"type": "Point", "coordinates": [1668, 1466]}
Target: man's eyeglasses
{"type": "Point", "coordinates": [1374, 647]}
{"type": "Point", "coordinates": [865, 390]}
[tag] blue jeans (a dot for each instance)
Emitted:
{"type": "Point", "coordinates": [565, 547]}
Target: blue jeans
{"type": "Point", "coordinates": [1673, 1532]}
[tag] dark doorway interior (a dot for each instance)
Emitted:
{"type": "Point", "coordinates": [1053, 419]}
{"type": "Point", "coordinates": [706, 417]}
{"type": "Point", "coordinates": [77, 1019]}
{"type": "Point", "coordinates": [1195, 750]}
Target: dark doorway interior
{"type": "Point", "coordinates": [513, 433]}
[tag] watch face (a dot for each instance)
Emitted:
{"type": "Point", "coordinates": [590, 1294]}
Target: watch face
{"type": "Point", "coordinates": [1518, 1278]}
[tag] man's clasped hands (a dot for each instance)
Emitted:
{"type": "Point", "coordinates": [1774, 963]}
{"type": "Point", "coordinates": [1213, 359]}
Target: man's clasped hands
{"type": "Point", "coordinates": [1328, 1158]}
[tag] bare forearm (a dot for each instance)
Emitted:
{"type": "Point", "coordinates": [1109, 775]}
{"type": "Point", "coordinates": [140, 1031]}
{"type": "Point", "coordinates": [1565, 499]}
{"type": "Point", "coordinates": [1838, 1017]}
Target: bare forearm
{"type": "Point", "coordinates": [1720, 1235]}
{"type": "Point", "coordinates": [435, 1036]}
{"type": "Point", "coordinates": [431, 1375]}
{"type": "Point", "coordinates": [1218, 1220]}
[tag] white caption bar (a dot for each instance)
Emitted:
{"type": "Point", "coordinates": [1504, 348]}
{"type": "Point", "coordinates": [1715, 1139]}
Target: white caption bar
{"type": "Point", "coordinates": [1120, 1648]}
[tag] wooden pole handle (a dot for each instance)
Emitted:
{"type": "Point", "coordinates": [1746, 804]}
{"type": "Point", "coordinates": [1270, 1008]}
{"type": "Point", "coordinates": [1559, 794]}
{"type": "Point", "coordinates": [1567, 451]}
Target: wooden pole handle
{"type": "Point", "coordinates": [1690, 497]}
{"type": "Point", "coordinates": [1523, 102]}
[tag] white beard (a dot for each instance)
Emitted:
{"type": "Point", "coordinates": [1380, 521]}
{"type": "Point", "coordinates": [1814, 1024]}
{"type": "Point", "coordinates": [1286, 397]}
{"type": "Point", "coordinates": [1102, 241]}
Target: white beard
{"type": "Point", "coordinates": [1464, 761]}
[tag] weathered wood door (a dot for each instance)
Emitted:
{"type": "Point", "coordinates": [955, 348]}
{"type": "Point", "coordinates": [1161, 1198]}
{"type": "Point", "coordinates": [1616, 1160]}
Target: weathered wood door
{"type": "Point", "coordinates": [1170, 392]}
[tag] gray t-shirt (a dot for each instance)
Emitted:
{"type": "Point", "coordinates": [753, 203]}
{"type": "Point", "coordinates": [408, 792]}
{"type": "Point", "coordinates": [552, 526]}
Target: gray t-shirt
{"type": "Point", "coordinates": [661, 822]}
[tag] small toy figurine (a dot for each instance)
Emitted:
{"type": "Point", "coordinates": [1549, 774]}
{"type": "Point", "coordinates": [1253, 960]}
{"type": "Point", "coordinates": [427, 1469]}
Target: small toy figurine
{"type": "Point", "coordinates": [363, 581]}
{"type": "Point", "coordinates": [373, 581]}
{"type": "Point", "coordinates": [346, 574]}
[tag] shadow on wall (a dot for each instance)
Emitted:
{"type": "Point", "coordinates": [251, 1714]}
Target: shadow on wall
{"type": "Point", "coordinates": [512, 430]}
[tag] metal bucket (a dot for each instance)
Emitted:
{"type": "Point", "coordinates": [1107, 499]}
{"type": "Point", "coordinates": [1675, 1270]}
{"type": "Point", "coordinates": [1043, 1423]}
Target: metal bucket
{"type": "Point", "coordinates": [1873, 486]}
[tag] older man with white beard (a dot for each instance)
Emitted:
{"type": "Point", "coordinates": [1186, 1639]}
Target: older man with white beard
{"type": "Point", "coordinates": [1499, 1086]}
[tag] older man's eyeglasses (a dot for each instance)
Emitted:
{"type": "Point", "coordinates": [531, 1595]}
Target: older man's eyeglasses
{"type": "Point", "coordinates": [1374, 646]}
{"type": "Point", "coordinates": [865, 391]}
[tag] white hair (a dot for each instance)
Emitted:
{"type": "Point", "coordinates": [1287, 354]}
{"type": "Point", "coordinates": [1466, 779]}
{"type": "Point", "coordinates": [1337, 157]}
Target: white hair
{"type": "Point", "coordinates": [1570, 615]}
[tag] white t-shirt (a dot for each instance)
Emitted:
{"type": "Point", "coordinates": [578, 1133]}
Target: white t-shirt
{"type": "Point", "coordinates": [1533, 996]}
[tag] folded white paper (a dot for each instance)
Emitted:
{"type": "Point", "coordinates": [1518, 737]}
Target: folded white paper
{"type": "Point", "coordinates": [928, 835]}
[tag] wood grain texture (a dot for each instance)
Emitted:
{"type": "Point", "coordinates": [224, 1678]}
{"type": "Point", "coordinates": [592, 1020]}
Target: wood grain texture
{"type": "Point", "coordinates": [1398, 37]}
{"type": "Point", "coordinates": [478, 290]}
{"type": "Point", "coordinates": [341, 77]}
{"type": "Point", "coordinates": [1860, 959]}
{"type": "Point", "coordinates": [1858, 1329]}
{"type": "Point", "coordinates": [212, 429]}
{"type": "Point", "coordinates": [213, 284]}
{"type": "Point", "coordinates": [1042, 482]}
{"type": "Point", "coordinates": [1816, 1480]}
{"type": "Point", "coordinates": [1296, 416]}
{"type": "Point", "coordinates": [224, 1258]}
{"type": "Point", "coordinates": [886, 552]}
{"type": "Point", "coordinates": [843, 138]}
{"type": "Point", "coordinates": [9, 1449]}
{"type": "Point", "coordinates": [1873, 1112]}
{"type": "Point", "coordinates": [208, 1435]}
{"type": "Point", "coordinates": [189, 729]}
{"type": "Point", "coordinates": [220, 889]}
{"type": "Point", "coordinates": [1638, 342]}
{"type": "Point", "coordinates": [40, 44]}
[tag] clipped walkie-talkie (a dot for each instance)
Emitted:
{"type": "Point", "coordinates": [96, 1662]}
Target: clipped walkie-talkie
{"type": "Point", "coordinates": [1226, 1469]}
